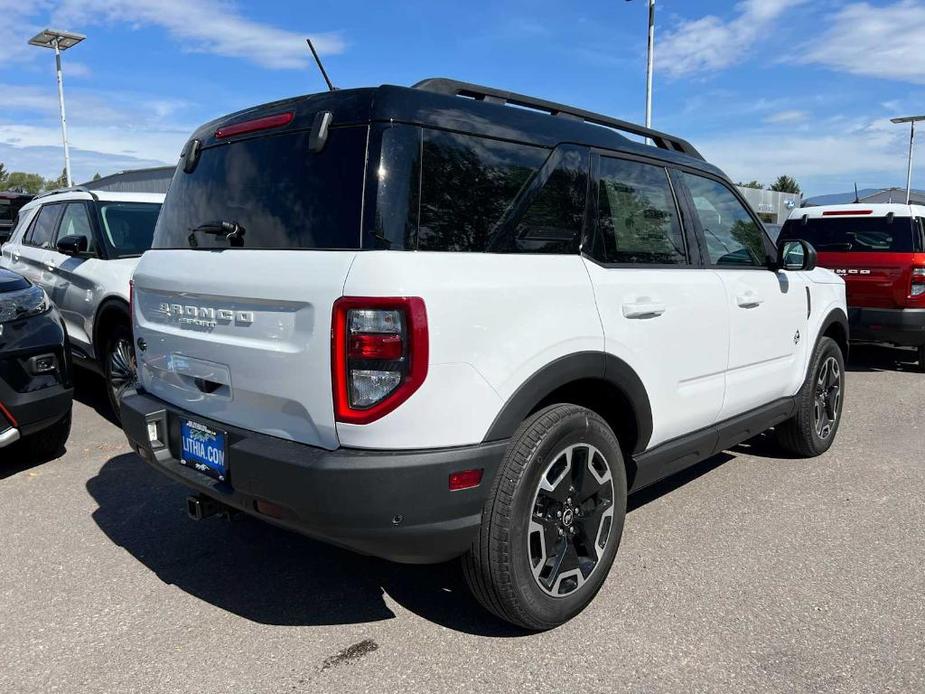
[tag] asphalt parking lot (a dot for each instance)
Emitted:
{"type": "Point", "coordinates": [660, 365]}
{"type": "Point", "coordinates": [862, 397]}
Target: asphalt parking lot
{"type": "Point", "coordinates": [747, 573]}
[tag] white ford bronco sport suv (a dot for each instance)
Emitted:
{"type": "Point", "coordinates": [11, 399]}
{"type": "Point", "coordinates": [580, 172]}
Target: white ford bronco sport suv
{"type": "Point", "coordinates": [81, 247]}
{"type": "Point", "coordinates": [448, 320]}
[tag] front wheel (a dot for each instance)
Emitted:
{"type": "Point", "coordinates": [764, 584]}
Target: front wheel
{"type": "Point", "coordinates": [811, 431]}
{"type": "Point", "coordinates": [553, 521]}
{"type": "Point", "coordinates": [119, 366]}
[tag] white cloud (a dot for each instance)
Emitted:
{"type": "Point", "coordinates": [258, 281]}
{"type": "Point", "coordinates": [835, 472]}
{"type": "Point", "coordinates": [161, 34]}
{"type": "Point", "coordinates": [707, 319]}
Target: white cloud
{"type": "Point", "coordinates": [205, 26]}
{"type": "Point", "coordinates": [49, 160]}
{"type": "Point", "coordinates": [73, 68]}
{"type": "Point", "coordinates": [710, 43]}
{"type": "Point", "coordinates": [16, 29]}
{"type": "Point", "coordinates": [840, 152]}
{"type": "Point", "coordinates": [788, 117]}
{"type": "Point", "coordinates": [886, 42]}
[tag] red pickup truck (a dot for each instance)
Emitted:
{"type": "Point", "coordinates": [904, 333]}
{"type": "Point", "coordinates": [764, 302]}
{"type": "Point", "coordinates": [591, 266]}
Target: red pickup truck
{"type": "Point", "coordinates": [880, 251]}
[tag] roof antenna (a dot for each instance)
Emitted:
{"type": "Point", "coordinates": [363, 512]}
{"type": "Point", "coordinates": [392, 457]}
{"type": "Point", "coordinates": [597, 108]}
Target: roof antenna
{"type": "Point", "coordinates": [856, 198]}
{"type": "Point", "coordinates": [331, 87]}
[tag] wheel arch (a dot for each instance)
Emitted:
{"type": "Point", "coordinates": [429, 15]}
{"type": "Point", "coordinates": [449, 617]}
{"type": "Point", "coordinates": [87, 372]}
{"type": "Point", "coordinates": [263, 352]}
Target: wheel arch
{"type": "Point", "coordinates": [111, 311]}
{"type": "Point", "coordinates": [597, 380]}
{"type": "Point", "coordinates": [835, 326]}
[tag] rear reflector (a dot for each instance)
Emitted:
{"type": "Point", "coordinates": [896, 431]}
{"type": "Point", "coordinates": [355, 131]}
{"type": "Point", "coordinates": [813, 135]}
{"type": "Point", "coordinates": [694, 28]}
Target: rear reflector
{"type": "Point", "coordinates": [845, 213]}
{"type": "Point", "coordinates": [465, 479]}
{"type": "Point", "coordinates": [250, 126]}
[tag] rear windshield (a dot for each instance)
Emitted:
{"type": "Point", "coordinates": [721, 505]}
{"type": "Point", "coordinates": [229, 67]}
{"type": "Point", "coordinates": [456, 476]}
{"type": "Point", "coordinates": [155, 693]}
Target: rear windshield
{"type": "Point", "coordinates": [280, 193]}
{"type": "Point", "coordinates": [854, 234]}
{"type": "Point", "coordinates": [128, 227]}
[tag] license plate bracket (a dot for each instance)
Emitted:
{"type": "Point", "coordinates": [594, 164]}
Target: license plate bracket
{"type": "Point", "coordinates": [204, 449]}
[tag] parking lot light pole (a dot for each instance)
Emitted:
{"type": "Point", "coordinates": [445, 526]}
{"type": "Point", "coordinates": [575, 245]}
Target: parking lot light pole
{"type": "Point", "coordinates": [911, 120]}
{"type": "Point", "coordinates": [650, 58]}
{"type": "Point", "coordinates": [59, 41]}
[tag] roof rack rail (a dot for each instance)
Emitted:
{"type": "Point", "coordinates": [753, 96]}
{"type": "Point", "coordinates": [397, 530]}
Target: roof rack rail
{"type": "Point", "coordinates": [72, 189]}
{"type": "Point", "coordinates": [442, 85]}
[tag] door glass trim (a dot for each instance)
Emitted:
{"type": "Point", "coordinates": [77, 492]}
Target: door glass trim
{"type": "Point", "coordinates": [701, 237]}
{"type": "Point", "coordinates": [597, 154]}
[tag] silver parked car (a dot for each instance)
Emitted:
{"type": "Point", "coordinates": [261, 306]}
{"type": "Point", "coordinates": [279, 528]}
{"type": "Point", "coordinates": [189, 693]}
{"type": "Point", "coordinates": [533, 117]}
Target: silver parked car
{"type": "Point", "coordinates": [82, 247]}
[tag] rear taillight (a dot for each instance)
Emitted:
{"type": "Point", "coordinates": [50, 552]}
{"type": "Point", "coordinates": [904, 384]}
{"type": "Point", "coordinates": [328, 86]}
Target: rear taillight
{"type": "Point", "coordinates": [918, 282]}
{"type": "Point", "coordinates": [379, 353]}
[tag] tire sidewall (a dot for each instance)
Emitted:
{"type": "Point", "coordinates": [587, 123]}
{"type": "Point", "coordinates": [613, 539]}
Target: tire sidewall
{"type": "Point", "coordinates": [581, 427]}
{"type": "Point", "coordinates": [827, 348]}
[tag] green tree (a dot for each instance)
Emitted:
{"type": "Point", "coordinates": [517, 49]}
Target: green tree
{"type": "Point", "coordinates": [751, 184]}
{"type": "Point", "coordinates": [97, 176]}
{"type": "Point", "coordinates": [55, 183]}
{"type": "Point", "coordinates": [26, 182]}
{"type": "Point", "coordinates": [3, 176]}
{"type": "Point", "coordinates": [786, 184]}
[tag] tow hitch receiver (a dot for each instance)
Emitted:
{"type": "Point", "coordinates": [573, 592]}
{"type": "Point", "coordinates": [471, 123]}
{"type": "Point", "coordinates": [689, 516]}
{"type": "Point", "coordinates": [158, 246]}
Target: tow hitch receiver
{"type": "Point", "coordinates": [201, 506]}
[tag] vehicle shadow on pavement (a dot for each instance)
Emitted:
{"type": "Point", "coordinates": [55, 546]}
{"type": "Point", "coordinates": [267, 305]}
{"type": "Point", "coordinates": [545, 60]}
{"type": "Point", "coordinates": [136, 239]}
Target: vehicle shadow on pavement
{"type": "Point", "coordinates": [676, 481]}
{"type": "Point", "coordinates": [266, 574]}
{"type": "Point", "coordinates": [869, 358]}
{"type": "Point", "coordinates": [13, 460]}
{"type": "Point", "coordinates": [273, 576]}
{"type": "Point", "coordinates": [90, 389]}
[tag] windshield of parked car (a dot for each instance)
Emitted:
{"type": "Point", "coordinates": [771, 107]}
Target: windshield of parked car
{"type": "Point", "coordinates": [273, 187]}
{"type": "Point", "coordinates": [853, 234]}
{"type": "Point", "coordinates": [128, 227]}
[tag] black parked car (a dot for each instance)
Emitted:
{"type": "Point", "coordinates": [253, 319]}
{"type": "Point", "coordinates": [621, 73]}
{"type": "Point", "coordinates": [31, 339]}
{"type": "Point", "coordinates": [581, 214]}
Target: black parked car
{"type": "Point", "coordinates": [10, 203]}
{"type": "Point", "coordinates": [35, 372]}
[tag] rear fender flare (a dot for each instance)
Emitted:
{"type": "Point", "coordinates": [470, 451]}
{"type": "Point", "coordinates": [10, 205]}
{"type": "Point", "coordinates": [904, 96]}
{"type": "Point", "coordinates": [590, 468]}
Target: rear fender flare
{"type": "Point", "coordinates": [568, 369]}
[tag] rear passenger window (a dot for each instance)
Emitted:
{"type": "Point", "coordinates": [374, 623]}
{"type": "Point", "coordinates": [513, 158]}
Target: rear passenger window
{"type": "Point", "coordinates": [467, 185]}
{"type": "Point", "coordinates": [732, 235]}
{"type": "Point", "coordinates": [43, 230]}
{"type": "Point", "coordinates": [637, 217]}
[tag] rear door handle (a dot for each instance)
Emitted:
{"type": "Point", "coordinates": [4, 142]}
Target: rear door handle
{"type": "Point", "coordinates": [643, 309]}
{"type": "Point", "coordinates": [749, 300]}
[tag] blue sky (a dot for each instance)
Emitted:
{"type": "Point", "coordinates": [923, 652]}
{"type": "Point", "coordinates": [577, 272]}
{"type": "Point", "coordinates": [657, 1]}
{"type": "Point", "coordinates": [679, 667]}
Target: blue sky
{"type": "Point", "coordinates": [762, 87]}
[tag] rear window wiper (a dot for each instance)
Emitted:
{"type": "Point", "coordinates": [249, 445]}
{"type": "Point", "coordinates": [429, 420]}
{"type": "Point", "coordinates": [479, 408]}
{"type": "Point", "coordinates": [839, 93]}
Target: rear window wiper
{"type": "Point", "coordinates": [231, 231]}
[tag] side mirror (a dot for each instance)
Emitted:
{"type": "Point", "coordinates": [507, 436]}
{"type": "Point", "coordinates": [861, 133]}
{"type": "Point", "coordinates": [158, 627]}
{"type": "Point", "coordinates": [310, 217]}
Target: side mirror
{"type": "Point", "coordinates": [797, 254]}
{"type": "Point", "coordinates": [72, 245]}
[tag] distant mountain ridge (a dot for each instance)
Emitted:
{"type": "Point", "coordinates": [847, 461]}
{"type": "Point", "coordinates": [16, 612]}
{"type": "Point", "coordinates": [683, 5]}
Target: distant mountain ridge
{"type": "Point", "coordinates": [899, 194]}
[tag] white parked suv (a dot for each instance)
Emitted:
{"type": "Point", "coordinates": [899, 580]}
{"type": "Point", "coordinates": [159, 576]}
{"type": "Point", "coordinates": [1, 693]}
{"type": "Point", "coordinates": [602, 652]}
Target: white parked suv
{"type": "Point", "coordinates": [421, 323]}
{"type": "Point", "coordinates": [81, 247]}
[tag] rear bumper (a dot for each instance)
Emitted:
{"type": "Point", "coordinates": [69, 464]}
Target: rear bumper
{"type": "Point", "coordinates": [904, 327]}
{"type": "Point", "coordinates": [390, 504]}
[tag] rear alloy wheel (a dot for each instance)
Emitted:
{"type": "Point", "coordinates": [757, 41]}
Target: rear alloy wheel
{"type": "Point", "coordinates": [553, 520]}
{"type": "Point", "coordinates": [119, 366]}
{"type": "Point", "coordinates": [572, 517]}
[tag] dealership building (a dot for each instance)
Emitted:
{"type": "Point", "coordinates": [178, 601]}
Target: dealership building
{"type": "Point", "coordinates": [773, 207]}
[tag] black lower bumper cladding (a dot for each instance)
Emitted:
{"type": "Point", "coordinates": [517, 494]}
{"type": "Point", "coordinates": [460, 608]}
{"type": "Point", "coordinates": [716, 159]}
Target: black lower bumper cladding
{"type": "Point", "coordinates": [35, 374]}
{"type": "Point", "coordinates": [392, 504]}
{"type": "Point", "coordinates": [903, 327]}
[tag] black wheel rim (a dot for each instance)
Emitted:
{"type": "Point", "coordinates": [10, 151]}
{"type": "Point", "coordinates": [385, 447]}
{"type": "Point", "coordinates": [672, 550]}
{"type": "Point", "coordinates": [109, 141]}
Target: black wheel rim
{"type": "Point", "coordinates": [827, 398]}
{"type": "Point", "coordinates": [571, 519]}
{"type": "Point", "coordinates": [121, 362]}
